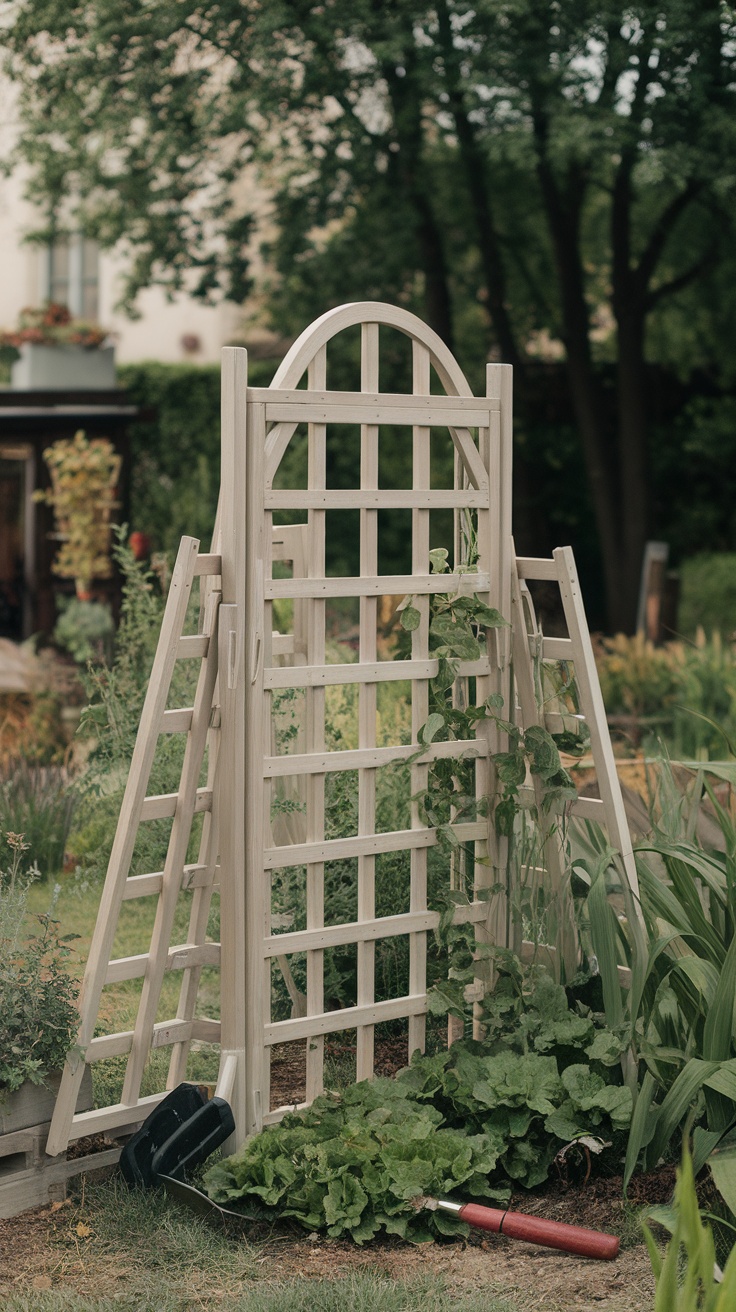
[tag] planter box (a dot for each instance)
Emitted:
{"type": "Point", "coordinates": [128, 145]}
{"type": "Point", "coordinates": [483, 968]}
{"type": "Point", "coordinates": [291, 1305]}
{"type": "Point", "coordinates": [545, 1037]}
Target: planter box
{"type": "Point", "coordinates": [28, 1178]}
{"type": "Point", "coordinates": [50, 367]}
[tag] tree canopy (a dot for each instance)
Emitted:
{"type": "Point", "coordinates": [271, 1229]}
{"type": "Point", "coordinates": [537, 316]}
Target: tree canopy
{"type": "Point", "coordinates": [514, 171]}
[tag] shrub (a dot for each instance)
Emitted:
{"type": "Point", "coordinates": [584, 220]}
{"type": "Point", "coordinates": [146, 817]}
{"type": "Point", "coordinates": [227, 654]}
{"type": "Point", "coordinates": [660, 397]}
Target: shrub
{"type": "Point", "coordinates": [38, 801]}
{"type": "Point", "coordinates": [708, 594]}
{"type": "Point", "coordinates": [37, 995]}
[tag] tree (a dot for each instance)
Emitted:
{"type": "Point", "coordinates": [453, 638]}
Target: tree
{"type": "Point", "coordinates": [512, 165]}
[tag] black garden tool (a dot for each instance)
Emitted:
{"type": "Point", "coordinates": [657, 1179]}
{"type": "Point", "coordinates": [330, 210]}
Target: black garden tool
{"type": "Point", "coordinates": [178, 1135]}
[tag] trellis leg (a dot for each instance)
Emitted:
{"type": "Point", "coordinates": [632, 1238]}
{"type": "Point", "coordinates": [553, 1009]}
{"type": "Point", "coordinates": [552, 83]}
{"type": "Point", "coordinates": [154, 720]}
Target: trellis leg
{"type": "Point", "coordinates": [369, 438]}
{"type": "Point", "coordinates": [315, 728]}
{"type": "Point", "coordinates": [125, 836]}
{"type": "Point", "coordinates": [419, 695]}
{"type": "Point", "coordinates": [232, 788]}
{"type": "Point", "coordinates": [499, 383]}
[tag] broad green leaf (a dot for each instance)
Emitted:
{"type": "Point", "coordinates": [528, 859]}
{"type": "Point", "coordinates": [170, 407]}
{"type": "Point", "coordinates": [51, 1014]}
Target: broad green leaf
{"type": "Point", "coordinates": [410, 618]}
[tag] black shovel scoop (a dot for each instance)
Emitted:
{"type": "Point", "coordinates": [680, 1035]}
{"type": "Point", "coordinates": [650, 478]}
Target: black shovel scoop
{"type": "Point", "coordinates": [179, 1134]}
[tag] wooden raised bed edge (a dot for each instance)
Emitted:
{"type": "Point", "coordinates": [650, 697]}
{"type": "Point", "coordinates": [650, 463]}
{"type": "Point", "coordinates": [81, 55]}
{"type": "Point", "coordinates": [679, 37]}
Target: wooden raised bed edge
{"type": "Point", "coordinates": [28, 1178]}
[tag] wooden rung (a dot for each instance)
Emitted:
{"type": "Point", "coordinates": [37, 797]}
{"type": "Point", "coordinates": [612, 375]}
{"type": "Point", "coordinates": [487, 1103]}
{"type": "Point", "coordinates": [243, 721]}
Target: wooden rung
{"type": "Point", "coordinates": [412, 922]}
{"type": "Point", "coordinates": [115, 1117]}
{"type": "Point", "coordinates": [304, 1027]}
{"type": "Point", "coordinates": [207, 563]}
{"type": "Point", "coordinates": [338, 849]}
{"type": "Point", "coordinates": [365, 499]}
{"type": "Point", "coordinates": [179, 721]}
{"type": "Point", "coordinates": [193, 876]}
{"type": "Point", "coordinates": [272, 1118]}
{"type": "Point", "coordinates": [282, 644]}
{"type": "Point", "coordinates": [531, 568]}
{"type": "Point", "coordinates": [163, 805]}
{"type": "Point", "coordinates": [165, 1033]}
{"type": "Point", "coordinates": [383, 411]}
{"type": "Point", "coordinates": [366, 758]}
{"type": "Point", "coordinates": [400, 400]}
{"type": "Point", "coordinates": [557, 649]}
{"type": "Point", "coordinates": [545, 953]}
{"type": "Point", "coordinates": [194, 644]}
{"type": "Point", "coordinates": [589, 808]}
{"type": "Point", "coordinates": [182, 957]}
{"type": "Point", "coordinates": [380, 585]}
{"type": "Point", "coordinates": [322, 676]}
{"type": "Point", "coordinates": [554, 722]}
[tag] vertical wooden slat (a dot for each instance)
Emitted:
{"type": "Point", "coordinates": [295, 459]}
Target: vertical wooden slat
{"type": "Point", "coordinates": [369, 438]}
{"type": "Point", "coordinates": [257, 744]}
{"type": "Point", "coordinates": [202, 895]}
{"type": "Point", "coordinates": [315, 726]}
{"type": "Point", "coordinates": [125, 836]}
{"type": "Point", "coordinates": [231, 784]}
{"type": "Point", "coordinates": [420, 546]}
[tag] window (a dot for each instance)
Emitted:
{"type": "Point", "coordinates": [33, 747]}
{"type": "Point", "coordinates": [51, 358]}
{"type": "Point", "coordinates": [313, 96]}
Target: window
{"type": "Point", "coordinates": [71, 275]}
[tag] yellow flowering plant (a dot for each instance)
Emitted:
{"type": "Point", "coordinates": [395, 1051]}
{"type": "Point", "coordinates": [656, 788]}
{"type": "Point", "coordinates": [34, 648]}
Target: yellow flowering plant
{"type": "Point", "coordinates": [84, 474]}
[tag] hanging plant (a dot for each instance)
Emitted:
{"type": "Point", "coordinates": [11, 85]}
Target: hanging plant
{"type": "Point", "coordinates": [84, 475]}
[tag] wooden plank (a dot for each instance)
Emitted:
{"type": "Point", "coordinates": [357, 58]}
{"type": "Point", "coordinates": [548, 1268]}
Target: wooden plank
{"type": "Point", "coordinates": [366, 758]}
{"type": "Point", "coordinates": [178, 721]}
{"type": "Point", "coordinates": [349, 1018]}
{"type": "Point", "coordinates": [191, 646]}
{"type": "Point", "coordinates": [380, 585]}
{"type": "Point", "coordinates": [163, 805]}
{"type": "Point", "coordinates": [410, 401]}
{"type": "Point", "coordinates": [338, 849]}
{"type": "Point", "coordinates": [163, 1033]}
{"type": "Point", "coordinates": [589, 808]}
{"type": "Point", "coordinates": [193, 876]}
{"type": "Point", "coordinates": [114, 1117]}
{"type": "Point", "coordinates": [189, 800]}
{"type": "Point", "coordinates": [381, 499]}
{"type": "Point", "coordinates": [367, 704]}
{"type": "Point", "coordinates": [180, 957]}
{"type": "Point", "coordinates": [529, 567]}
{"type": "Point", "coordinates": [315, 676]}
{"type": "Point", "coordinates": [557, 649]}
{"type": "Point", "coordinates": [125, 834]}
{"type": "Point", "coordinates": [208, 564]}
{"type": "Point", "coordinates": [365, 931]}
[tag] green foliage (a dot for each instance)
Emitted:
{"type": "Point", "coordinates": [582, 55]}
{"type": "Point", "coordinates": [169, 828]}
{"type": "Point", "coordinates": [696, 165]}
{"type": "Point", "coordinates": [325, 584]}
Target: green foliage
{"type": "Point", "coordinates": [686, 1275]}
{"type": "Point", "coordinates": [479, 1115]}
{"type": "Point", "coordinates": [37, 995]}
{"type": "Point", "coordinates": [683, 694]}
{"type": "Point", "coordinates": [39, 802]}
{"type": "Point", "coordinates": [708, 593]}
{"type": "Point", "coordinates": [85, 629]}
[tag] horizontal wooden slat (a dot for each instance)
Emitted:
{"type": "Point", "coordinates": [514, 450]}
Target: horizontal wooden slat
{"type": "Point", "coordinates": [365, 758]}
{"type": "Point", "coordinates": [181, 957]}
{"type": "Point", "coordinates": [589, 808]}
{"type": "Point", "coordinates": [115, 1117]}
{"type": "Point", "coordinates": [207, 564]}
{"type": "Point", "coordinates": [531, 568]}
{"type": "Point", "coordinates": [400, 400]}
{"type": "Point", "coordinates": [303, 1027]}
{"type": "Point", "coordinates": [282, 644]}
{"type": "Point", "coordinates": [380, 499]}
{"type": "Point", "coordinates": [164, 1033]}
{"type": "Point", "coordinates": [317, 676]}
{"type": "Point", "coordinates": [338, 849]}
{"type": "Point", "coordinates": [193, 876]}
{"type": "Point", "coordinates": [412, 922]}
{"type": "Point", "coordinates": [379, 585]}
{"type": "Point", "coordinates": [556, 722]}
{"type": "Point", "coordinates": [162, 805]}
{"type": "Point", "coordinates": [557, 649]}
{"type": "Point", "coordinates": [194, 644]}
{"type": "Point", "coordinates": [179, 721]}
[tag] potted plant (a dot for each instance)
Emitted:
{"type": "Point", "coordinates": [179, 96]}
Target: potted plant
{"type": "Point", "coordinates": [84, 476]}
{"type": "Point", "coordinates": [57, 351]}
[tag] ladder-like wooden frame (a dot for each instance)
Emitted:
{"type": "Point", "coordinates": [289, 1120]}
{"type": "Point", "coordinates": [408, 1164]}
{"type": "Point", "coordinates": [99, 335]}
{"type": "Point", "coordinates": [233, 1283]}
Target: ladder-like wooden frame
{"type": "Point", "coordinates": [242, 666]}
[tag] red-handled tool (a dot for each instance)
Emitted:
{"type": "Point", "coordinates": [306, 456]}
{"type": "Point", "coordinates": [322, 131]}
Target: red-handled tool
{"type": "Point", "coordinates": [534, 1229]}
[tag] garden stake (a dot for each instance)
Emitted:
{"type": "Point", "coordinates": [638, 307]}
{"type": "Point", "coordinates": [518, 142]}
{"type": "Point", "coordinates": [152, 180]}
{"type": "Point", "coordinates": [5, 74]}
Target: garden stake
{"type": "Point", "coordinates": [534, 1229]}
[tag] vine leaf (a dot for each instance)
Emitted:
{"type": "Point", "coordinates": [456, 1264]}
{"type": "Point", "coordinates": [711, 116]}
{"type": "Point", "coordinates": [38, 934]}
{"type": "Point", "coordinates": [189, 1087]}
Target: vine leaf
{"type": "Point", "coordinates": [438, 560]}
{"type": "Point", "coordinates": [410, 618]}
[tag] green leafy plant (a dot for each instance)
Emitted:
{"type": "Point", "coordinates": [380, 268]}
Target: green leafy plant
{"type": "Point", "coordinates": [85, 629]}
{"type": "Point", "coordinates": [687, 1277]}
{"type": "Point", "coordinates": [37, 994]}
{"type": "Point", "coordinates": [38, 801]}
{"type": "Point", "coordinates": [83, 478]}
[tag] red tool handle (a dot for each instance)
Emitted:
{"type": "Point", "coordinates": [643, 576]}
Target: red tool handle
{"type": "Point", "coordinates": [552, 1234]}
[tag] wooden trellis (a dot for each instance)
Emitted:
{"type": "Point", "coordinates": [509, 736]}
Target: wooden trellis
{"type": "Point", "coordinates": [247, 662]}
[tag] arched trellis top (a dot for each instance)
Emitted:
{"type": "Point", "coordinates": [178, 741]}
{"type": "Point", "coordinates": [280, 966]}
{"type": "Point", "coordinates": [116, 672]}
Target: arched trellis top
{"type": "Point", "coordinates": [305, 352]}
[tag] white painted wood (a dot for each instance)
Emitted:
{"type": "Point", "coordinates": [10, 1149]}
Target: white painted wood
{"type": "Point", "coordinates": [557, 649]}
{"type": "Point", "coordinates": [348, 1018]}
{"type": "Point", "coordinates": [383, 499]}
{"type": "Point", "coordinates": [380, 585]}
{"type": "Point", "coordinates": [528, 567]}
{"type": "Point", "coordinates": [364, 758]}
{"type": "Point", "coordinates": [122, 849]}
{"type": "Point", "coordinates": [337, 849]}
{"type": "Point", "coordinates": [305, 398]}
{"type": "Point", "coordinates": [179, 721]}
{"type": "Point", "coordinates": [163, 805]}
{"type": "Point", "coordinates": [306, 676]}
